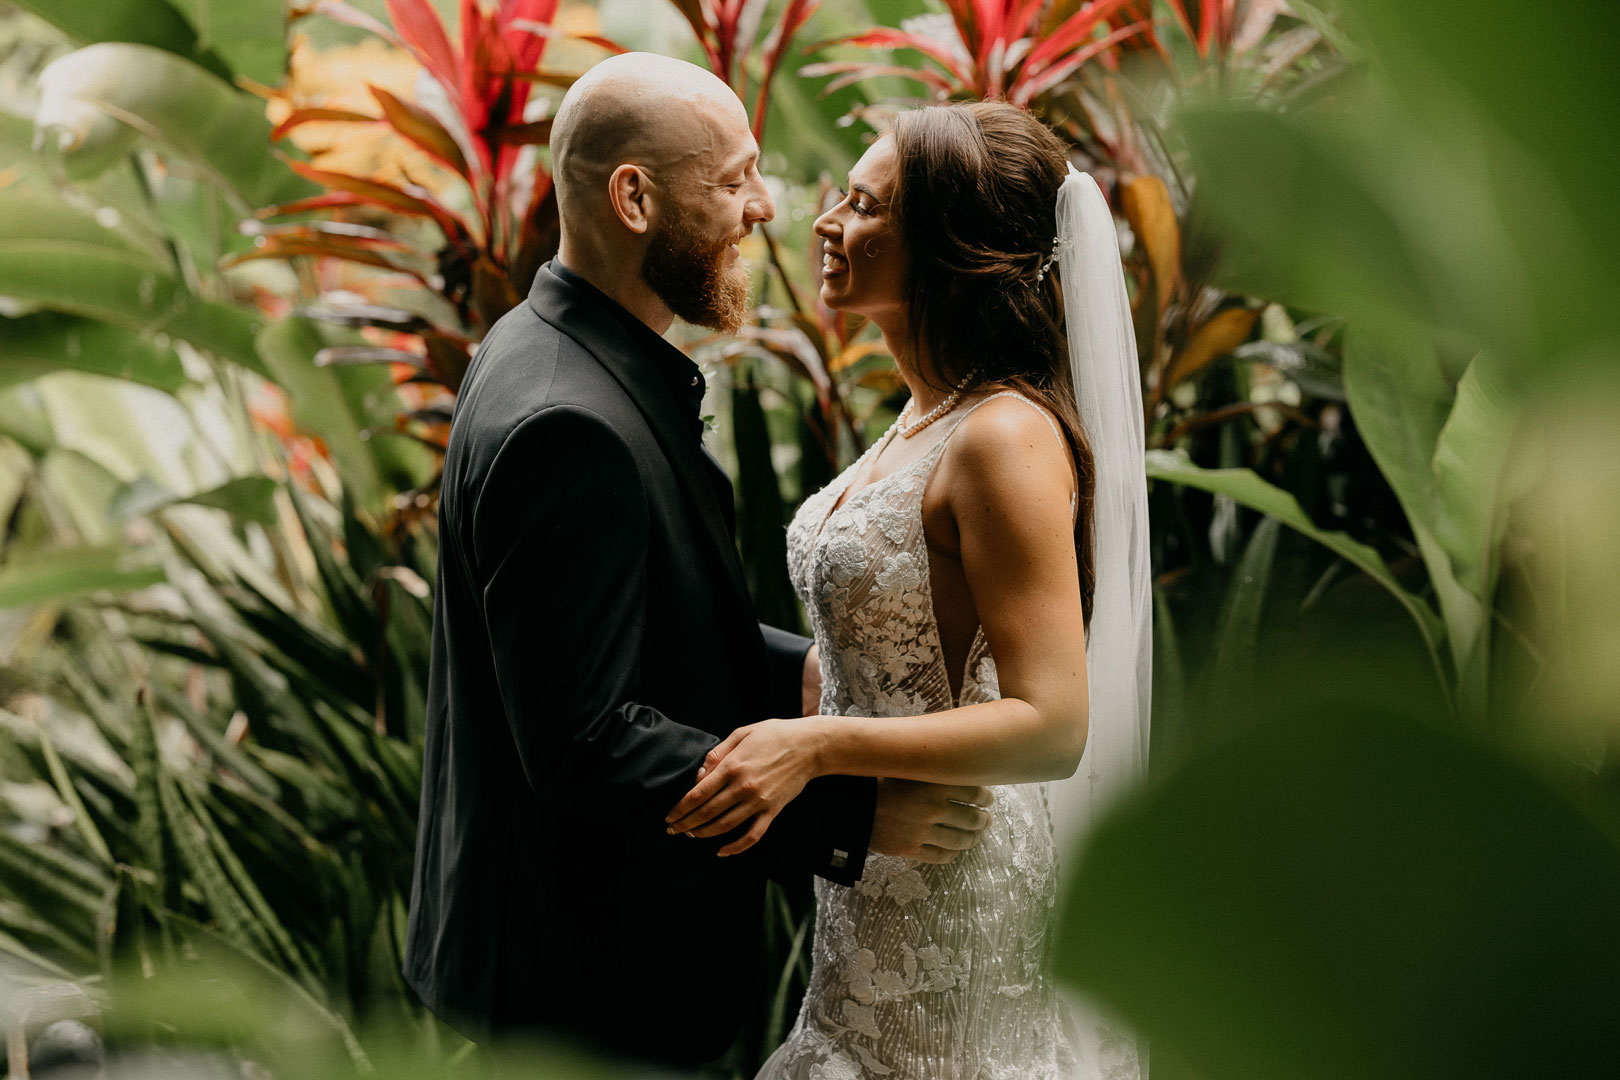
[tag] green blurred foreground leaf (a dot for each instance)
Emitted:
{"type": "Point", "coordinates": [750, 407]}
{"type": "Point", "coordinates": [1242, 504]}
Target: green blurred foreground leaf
{"type": "Point", "coordinates": [41, 577]}
{"type": "Point", "coordinates": [1354, 895]}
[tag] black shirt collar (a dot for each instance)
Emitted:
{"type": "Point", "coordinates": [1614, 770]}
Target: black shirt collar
{"type": "Point", "coordinates": [675, 370]}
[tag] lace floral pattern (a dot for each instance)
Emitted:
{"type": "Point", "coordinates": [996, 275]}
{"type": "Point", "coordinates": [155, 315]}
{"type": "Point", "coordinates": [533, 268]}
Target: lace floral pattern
{"type": "Point", "coordinates": [921, 972]}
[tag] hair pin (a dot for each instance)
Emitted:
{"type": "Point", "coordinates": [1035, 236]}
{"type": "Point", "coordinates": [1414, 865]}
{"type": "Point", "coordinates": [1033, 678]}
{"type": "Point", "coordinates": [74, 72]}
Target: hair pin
{"type": "Point", "coordinates": [1057, 242]}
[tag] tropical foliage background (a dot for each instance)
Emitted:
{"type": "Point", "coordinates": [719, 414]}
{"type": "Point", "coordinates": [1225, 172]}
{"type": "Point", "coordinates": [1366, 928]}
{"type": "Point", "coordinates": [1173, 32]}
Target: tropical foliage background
{"type": "Point", "coordinates": [247, 247]}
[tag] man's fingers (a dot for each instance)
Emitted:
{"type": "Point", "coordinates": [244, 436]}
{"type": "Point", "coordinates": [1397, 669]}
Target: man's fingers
{"type": "Point", "coordinates": [974, 796]}
{"type": "Point", "coordinates": [962, 816]}
{"type": "Point", "coordinates": [939, 856]}
{"type": "Point", "coordinates": [943, 836]}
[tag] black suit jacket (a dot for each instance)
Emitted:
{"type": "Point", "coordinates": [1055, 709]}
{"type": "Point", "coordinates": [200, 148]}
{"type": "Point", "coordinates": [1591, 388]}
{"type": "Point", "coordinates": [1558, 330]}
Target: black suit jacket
{"type": "Point", "coordinates": [592, 640]}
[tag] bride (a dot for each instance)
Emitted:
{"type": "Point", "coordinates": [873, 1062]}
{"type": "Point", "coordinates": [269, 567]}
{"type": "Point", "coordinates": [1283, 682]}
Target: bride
{"type": "Point", "coordinates": [951, 576]}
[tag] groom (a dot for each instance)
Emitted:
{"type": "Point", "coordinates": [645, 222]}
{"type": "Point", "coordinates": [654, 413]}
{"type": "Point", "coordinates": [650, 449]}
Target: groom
{"type": "Point", "coordinates": [592, 634]}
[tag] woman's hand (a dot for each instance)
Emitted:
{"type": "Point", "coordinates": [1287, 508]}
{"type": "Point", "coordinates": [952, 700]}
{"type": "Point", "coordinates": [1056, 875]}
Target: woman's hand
{"type": "Point", "coordinates": [748, 778]}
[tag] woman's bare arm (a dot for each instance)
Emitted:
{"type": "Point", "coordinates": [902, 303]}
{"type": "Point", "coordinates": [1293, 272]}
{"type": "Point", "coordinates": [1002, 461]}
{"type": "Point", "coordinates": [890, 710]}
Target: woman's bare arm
{"type": "Point", "coordinates": [1008, 483]}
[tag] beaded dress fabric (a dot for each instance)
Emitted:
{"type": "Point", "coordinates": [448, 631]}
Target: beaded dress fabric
{"type": "Point", "coordinates": [921, 972]}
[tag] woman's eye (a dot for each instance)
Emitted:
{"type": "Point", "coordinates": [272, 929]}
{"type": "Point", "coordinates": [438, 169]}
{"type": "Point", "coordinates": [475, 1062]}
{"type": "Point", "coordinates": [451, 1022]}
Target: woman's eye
{"type": "Point", "coordinates": [861, 209]}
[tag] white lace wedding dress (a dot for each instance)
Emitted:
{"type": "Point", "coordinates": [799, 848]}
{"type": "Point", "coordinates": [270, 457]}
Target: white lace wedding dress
{"type": "Point", "coordinates": [921, 972]}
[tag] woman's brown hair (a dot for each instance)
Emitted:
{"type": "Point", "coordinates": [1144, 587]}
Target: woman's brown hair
{"type": "Point", "coordinates": [976, 203]}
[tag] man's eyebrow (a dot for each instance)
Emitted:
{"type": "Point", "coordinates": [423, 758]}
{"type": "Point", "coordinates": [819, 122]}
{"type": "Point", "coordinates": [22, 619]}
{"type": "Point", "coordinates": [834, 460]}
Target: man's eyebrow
{"type": "Point", "coordinates": [742, 163]}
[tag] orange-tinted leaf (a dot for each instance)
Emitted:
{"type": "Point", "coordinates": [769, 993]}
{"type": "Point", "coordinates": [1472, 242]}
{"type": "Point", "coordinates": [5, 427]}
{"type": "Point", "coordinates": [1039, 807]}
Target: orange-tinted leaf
{"type": "Point", "coordinates": [537, 133]}
{"type": "Point", "coordinates": [1146, 203]}
{"type": "Point", "coordinates": [857, 352]}
{"type": "Point", "coordinates": [333, 248]}
{"type": "Point", "coordinates": [325, 201]}
{"type": "Point", "coordinates": [299, 117]}
{"type": "Point", "coordinates": [409, 199]}
{"type": "Point", "coordinates": [1214, 339]}
{"type": "Point", "coordinates": [423, 128]}
{"type": "Point", "coordinates": [316, 231]}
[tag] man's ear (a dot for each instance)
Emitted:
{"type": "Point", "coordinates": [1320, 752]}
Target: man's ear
{"type": "Point", "coordinates": [631, 193]}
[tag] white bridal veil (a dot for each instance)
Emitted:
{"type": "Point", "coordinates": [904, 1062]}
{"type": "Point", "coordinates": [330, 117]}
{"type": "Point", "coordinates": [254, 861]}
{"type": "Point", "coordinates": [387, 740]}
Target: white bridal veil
{"type": "Point", "coordinates": [1119, 644]}
{"type": "Point", "coordinates": [1108, 388]}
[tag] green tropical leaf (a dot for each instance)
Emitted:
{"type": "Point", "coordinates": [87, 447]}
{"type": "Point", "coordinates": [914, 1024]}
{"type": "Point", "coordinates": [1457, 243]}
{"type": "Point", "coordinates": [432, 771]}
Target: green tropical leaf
{"type": "Point", "coordinates": [36, 345]}
{"type": "Point", "coordinates": [56, 258]}
{"type": "Point", "coordinates": [157, 23]}
{"type": "Point", "coordinates": [247, 498]}
{"type": "Point", "coordinates": [251, 35]}
{"type": "Point", "coordinates": [1342, 893]}
{"type": "Point", "coordinates": [1237, 636]}
{"type": "Point", "coordinates": [69, 795]}
{"type": "Point", "coordinates": [94, 101]}
{"type": "Point", "coordinates": [319, 405]}
{"type": "Point", "coordinates": [1401, 403]}
{"type": "Point", "coordinates": [1248, 489]}
{"type": "Point", "coordinates": [56, 574]}
{"type": "Point", "coordinates": [1470, 468]}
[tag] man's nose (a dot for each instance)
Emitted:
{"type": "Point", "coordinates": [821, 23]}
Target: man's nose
{"type": "Point", "coordinates": [760, 208]}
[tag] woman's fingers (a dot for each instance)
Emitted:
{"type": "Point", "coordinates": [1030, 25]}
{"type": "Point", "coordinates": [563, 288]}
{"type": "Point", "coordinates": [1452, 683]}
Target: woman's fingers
{"type": "Point", "coordinates": [700, 794]}
{"type": "Point", "coordinates": [719, 826]}
{"type": "Point", "coordinates": [755, 833]}
{"type": "Point", "coordinates": [709, 782]}
{"type": "Point", "coordinates": [721, 799]}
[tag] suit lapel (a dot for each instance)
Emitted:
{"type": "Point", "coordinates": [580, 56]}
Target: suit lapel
{"type": "Point", "coordinates": [584, 319]}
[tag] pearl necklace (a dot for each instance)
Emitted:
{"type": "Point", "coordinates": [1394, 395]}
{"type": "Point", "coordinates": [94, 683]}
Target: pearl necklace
{"type": "Point", "coordinates": [945, 406]}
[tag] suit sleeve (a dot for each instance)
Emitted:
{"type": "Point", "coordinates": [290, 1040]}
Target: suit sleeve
{"type": "Point", "coordinates": [560, 535]}
{"type": "Point", "coordinates": [784, 663]}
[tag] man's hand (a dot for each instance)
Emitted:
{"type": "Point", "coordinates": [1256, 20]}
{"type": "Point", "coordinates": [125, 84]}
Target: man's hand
{"type": "Point", "coordinates": [810, 688]}
{"type": "Point", "coordinates": [932, 823]}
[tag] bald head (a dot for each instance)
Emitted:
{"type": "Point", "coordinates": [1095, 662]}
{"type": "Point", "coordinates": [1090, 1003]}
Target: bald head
{"type": "Point", "coordinates": [665, 115]}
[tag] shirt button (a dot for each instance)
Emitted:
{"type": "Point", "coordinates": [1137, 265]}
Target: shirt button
{"type": "Point", "coordinates": [694, 380]}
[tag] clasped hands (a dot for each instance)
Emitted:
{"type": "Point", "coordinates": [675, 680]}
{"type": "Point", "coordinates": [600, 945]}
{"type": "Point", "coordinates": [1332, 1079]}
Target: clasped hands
{"type": "Point", "coordinates": [757, 770]}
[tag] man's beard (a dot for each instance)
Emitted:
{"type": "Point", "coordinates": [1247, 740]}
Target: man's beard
{"type": "Point", "coordinates": [693, 278]}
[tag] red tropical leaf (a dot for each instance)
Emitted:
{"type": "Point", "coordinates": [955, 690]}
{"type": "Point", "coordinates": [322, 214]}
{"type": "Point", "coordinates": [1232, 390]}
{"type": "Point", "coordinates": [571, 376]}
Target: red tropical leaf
{"type": "Point", "coordinates": [1134, 12]}
{"type": "Point", "coordinates": [1071, 34]}
{"type": "Point", "coordinates": [1031, 85]}
{"type": "Point", "coordinates": [410, 199]}
{"type": "Point", "coordinates": [299, 117]}
{"type": "Point", "coordinates": [267, 248]}
{"type": "Point", "coordinates": [535, 133]}
{"type": "Point", "coordinates": [527, 49]}
{"type": "Point", "coordinates": [424, 130]}
{"type": "Point", "coordinates": [853, 71]}
{"type": "Point", "coordinates": [326, 201]}
{"type": "Point", "coordinates": [885, 38]}
{"type": "Point", "coordinates": [419, 26]}
{"type": "Point", "coordinates": [551, 32]}
{"type": "Point", "coordinates": [318, 231]}
{"type": "Point", "coordinates": [789, 23]}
